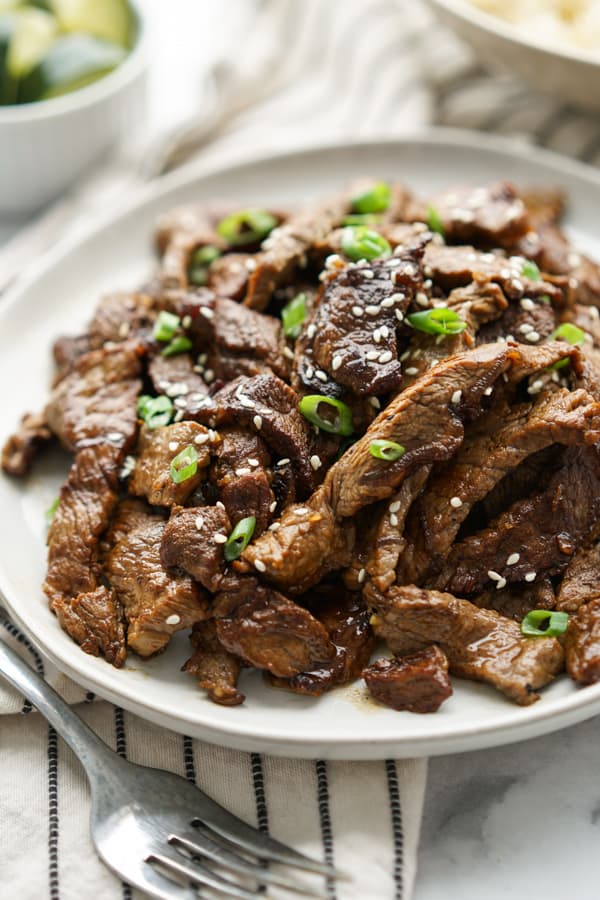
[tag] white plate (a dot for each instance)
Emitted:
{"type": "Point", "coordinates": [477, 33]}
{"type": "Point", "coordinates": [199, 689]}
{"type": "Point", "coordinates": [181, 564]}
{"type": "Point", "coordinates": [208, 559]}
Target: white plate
{"type": "Point", "coordinates": [58, 295]}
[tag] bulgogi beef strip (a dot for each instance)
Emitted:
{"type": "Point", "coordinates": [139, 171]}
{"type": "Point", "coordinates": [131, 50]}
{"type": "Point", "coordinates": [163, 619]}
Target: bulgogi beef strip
{"type": "Point", "coordinates": [441, 483]}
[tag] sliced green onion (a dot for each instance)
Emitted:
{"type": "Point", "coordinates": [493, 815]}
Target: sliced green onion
{"type": "Point", "coordinates": [557, 623]}
{"type": "Point", "coordinates": [359, 242]}
{"type": "Point", "coordinates": [376, 200]}
{"type": "Point", "coordinates": [155, 411]}
{"type": "Point", "coordinates": [184, 465]}
{"type": "Point", "coordinates": [239, 538]}
{"type": "Point", "coordinates": [293, 315]}
{"type": "Point", "coordinates": [570, 333]}
{"type": "Point", "coordinates": [179, 344]}
{"type": "Point", "coordinates": [434, 220]}
{"type": "Point", "coordinates": [531, 271]}
{"type": "Point", "coordinates": [327, 414]}
{"type": "Point", "coordinates": [437, 321]}
{"type": "Point", "coordinates": [246, 226]}
{"type": "Point", "coordinates": [388, 450]}
{"type": "Point", "coordinates": [361, 219]}
{"type": "Point", "coordinates": [49, 514]}
{"type": "Point", "coordinates": [544, 298]}
{"type": "Point", "coordinates": [204, 256]}
{"type": "Point", "coordinates": [198, 275]}
{"type": "Point", "coordinates": [165, 326]}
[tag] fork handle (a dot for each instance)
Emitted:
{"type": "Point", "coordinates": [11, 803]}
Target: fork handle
{"type": "Point", "coordinates": [92, 752]}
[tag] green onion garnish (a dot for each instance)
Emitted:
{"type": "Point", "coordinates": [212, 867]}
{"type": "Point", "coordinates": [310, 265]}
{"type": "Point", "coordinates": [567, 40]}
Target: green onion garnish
{"type": "Point", "coordinates": [361, 219]}
{"type": "Point", "coordinates": [199, 263]}
{"type": "Point", "coordinates": [359, 242]}
{"type": "Point", "coordinates": [388, 450]}
{"type": "Point", "coordinates": [49, 514]}
{"type": "Point", "coordinates": [434, 220]}
{"type": "Point", "coordinates": [198, 275]}
{"type": "Point", "coordinates": [293, 315]}
{"type": "Point", "coordinates": [239, 538]}
{"type": "Point", "coordinates": [327, 414]}
{"type": "Point", "coordinates": [437, 321]}
{"type": "Point", "coordinates": [531, 271]}
{"type": "Point", "coordinates": [179, 344]}
{"type": "Point", "coordinates": [570, 333]}
{"type": "Point", "coordinates": [557, 623]}
{"type": "Point", "coordinates": [184, 465]}
{"type": "Point", "coordinates": [247, 226]}
{"type": "Point", "coordinates": [165, 326]}
{"type": "Point", "coordinates": [375, 200]}
{"type": "Point", "coordinates": [155, 411]}
{"type": "Point", "coordinates": [544, 298]}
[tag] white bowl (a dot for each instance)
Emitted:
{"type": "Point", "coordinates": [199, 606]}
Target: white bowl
{"type": "Point", "coordinates": [46, 146]}
{"type": "Point", "coordinates": [565, 72]}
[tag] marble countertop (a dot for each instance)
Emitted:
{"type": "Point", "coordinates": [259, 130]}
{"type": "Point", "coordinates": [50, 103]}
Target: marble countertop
{"type": "Point", "coordinates": [521, 821]}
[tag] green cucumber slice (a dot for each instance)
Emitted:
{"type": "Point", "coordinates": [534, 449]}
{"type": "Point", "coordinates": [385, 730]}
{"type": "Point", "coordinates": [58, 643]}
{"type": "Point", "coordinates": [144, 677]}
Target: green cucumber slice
{"type": "Point", "coordinates": [8, 84]}
{"type": "Point", "coordinates": [34, 34]}
{"type": "Point", "coordinates": [108, 19]}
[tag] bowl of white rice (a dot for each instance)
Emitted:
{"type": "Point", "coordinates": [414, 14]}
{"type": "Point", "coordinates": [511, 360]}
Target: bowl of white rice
{"type": "Point", "coordinates": [554, 45]}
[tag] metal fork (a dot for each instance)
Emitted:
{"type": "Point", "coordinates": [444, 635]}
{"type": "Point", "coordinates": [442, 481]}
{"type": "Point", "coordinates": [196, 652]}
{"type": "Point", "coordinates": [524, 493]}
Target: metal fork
{"type": "Point", "coordinates": [153, 828]}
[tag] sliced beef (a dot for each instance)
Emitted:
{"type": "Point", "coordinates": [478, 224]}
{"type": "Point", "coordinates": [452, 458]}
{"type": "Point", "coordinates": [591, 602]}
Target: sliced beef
{"type": "Point", "coordinates": [581, 581]}
{"type": "Point", "coordinates": [346, 618]}
{"type": "Point", "coordinates": [242, 475]}
{"type": "Point", "coordinates": [480, 644]}
{"type": "Point", "coordinates": [176, 376]}
{"type": "Point", "coordinates": [417, 682]}
{"type": "Point", "coordinates": [528, 324]}
{"type": "Point", "coordinates": [96, 401]}
{"type": "Point", "coordinates": [94, 620]}
{"type": "Point", "coordinates": [122, 316]}
{"type": "Point", "coordinates": [582, 643]}
{"type": "Point", "coordinates": [216, 669]}
{"type": "Point", "coordinates": [157, 449]}
{"type": "Point", "coordinates": [515, 600]}
{"type": "Point", "coordinates": [269, 631]}
{"type": "Point", "coordinates": [156, 603]}
{"type": "Point", "coordinates": [189, 543]}
{"type": "Point", "coordinates": [22, 447]}
{"type": "Point", "coordinates": [182, 231]}
{"type": "Point", "coordinates": [245, 342]}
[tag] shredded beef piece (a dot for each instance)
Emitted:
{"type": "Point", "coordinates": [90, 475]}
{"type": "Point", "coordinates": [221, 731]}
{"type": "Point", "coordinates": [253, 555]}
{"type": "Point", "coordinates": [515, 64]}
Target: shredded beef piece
{"type": "Point", "coordinates": [216, 669]}
{"type": "Point", "coordinates": [157, 449]}
{"type": "Point", "coordinates": [480, 644]}
{"type": "Point", "coordinates": [94, 620]}
{"type": "Point", "coordinates": [581, 581]}
{"type": "Point", "coordinates": [188, 543]}
{"type": "Point", "coordinates": [242, 475]}
{"type": "Point", "coordinates": [418, 682]}
{"type": "Point", "coordinates": [96, 401]}
{"type": "Point", "coordinates": [22, 447]}
{"type": "Point", "coordinates": [156, 603]}
{"type": "Point", "coordinates": [269, 631]}
{"type": "Point", "coordinates": [582, 643]}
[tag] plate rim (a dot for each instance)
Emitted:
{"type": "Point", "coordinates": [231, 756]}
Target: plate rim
{"type": "Point", "coordinates": [239, 734]}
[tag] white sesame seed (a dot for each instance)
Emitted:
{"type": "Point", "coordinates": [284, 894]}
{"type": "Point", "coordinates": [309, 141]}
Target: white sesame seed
{"type": "Point", "coordinates": [199, 522]}
{"type": "Point", "coordinates": [273, 506]}
{"type": "Point", "coordinates": [115, 437]}
{"type": "Point", "coordinates": [367, 273]}
{"type": "Point", "coordinates": [362, 574]}
{"type": "Point", "coordinates": [493, 576]}
{"type": "Point", "coordinates": [207, 312]}
{"type": "Point", "coordinates": [536, 387]}
{"type": "Point", "coordinates": [525, 328]}
{"type": "Point", "coordinates": [219, 538]}
{"type": "Point", "coordinates": [532, 336]}
{"type": "Point", "coordinates": [186, 321]}
{"type": "Point", "coordinates": [372, 355]}
{"type": "Point", "coordinates": [259, 565]}
{"type": "Point", "coordinates": [201, 438]}
{"type": "Point", "coordinates": [288, 353]}
{"type": "Point", "coordinates": [336, 363]}
{"type": "Point", "coordinates": [488, 392]}
{"type": "Point", "coordinates": [209, 376]}
{"type": "Point", "coordinates": [593, 312]}
{"type": "Point", "coordinates": [275, 526]}
{"type": "Point", "coordinates": [357, 311]}
{"type": "Point", "coordinates": [386, 356]}
{"type": "Point", "coordinates": [405, 355]}
{"type": "Point", "coordinates": [422, 299]}
{"type": "Point", "coordinates": [203, 359]}
{"type": "Point", "coordinates": [412, 371]}
{"type": "Point", "coordinates": [283, 462]}
{"type": "Point", "coordinates": [372, 310]}
{"type": "Point", "coordinates": [220, 505]}
{"type": "Point", "coordinates": [384, 331]}
{"type": "Point", "coordinates": [456, 397]}
{"type": "Point", "coordinates": [302, 510]}
{"type": "Point", "coordinates": [393, 520]}
{"type": "Point", "coordinates": [123, 329]}
{"type": "Point", "coordinates": [173, 445]}
{"type": "Point", "coordinates": [456, 502]}
{"type": "Point", "coordinates": [527, 304]}
{"type": "Point", "coordinates": [311, 331]}
{"type": "Point", "coordinates": [377, 336]}
{"type": "Point", "coordinates": [251, 265]}
{"type": "Point", "coordinates": [321, 375]}
{"type": "Point", "coordinates": [530, 576]}
{"type": "Point", "coordinates": [310, 371]}
{"type": "Point", "coordinates": [394, 507]}
{"type": "Point", "coordinates": [253, 462]}
{"type": "Point", "coordinates": [246, 402]}
{"type": "Point", "coordinates": [243, 470]}
{"type": "Point", "coordinates": [178, 416]}
{"type": "Point", "coordinates": [387, 302]}
{"type": "Point", "coordinates": [555, 377]}
{"type": "Point", "coordinates": [173, 620]}
{"type": "Point", "coordinates": [501, 583]}
{"type": "Point", "coordinates": [375, 402]}
{"type": "Point", "coordinates": [399, 315]}
{"type": "Point", "coordinates": [315, 462]}
{"type": "Point", "coordinates": [257, 422]}
{"type": "Point", "coordinates": [513, 559]}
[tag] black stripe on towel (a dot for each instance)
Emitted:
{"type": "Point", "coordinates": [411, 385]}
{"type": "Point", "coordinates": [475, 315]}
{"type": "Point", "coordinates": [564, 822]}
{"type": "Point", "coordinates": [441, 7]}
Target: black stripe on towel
{"type": "Point", "coordinates": [397, 831]}
{"type": "Point", "coordinates": [188, 759]}
{"type": "Point", "coordinates": [54, 893]}
{"type": "Point", "coordinates": [37, 659]}
{"type": "Point", "coordinates": [258, 779]}
{"type": "Point", "coordinates": [325, 820]}
{"type": "Point", "coordinates": [121, 748]}
{"type": "Point", "coordinates": [90, 697]}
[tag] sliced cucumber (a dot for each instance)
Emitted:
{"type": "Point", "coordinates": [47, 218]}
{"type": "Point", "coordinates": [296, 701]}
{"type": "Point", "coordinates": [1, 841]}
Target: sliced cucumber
{"type": "Point", "coordinates": [108, 19]}
{"type": "Point", "coordinates": [8, 84]}
{"type": "Point", "coordinates": [9, 5]}
{"type": "Point", "coordinates": [72, 62]}
{"type": "Point", "coordinates": [34, 34]}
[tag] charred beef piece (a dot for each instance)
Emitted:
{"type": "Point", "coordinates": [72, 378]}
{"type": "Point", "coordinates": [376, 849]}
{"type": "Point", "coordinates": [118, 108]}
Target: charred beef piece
{"type": "Point", "coordinates": [497, 443]}
{"type": "Point", "coordinates": [157, 449]}
{"type": "Point", "coordinates": [176, 377]}
{"type": "Point", "coordinates": [245, 342]}
{"type": "Point", "coordinates": [354, 325]}
{"type": "Point", "coordinates": [581, 581]}
{"type": "Point", "coordinates": [242, 476]}
{"type": "Point", "coordinates": [189, 543]}
{"type": "Point", "coordinates": [96, 401]}
{"type": "Point", "coordinates": [23, 446]}
{"type": "Point", "coordinates": [268, 405]}
{"type": "Point", "coordinates": [156, 604]}
{"type": "Point", "coordinates": [582, 643]}
{"type": "Point", "coordinates": [493, 215]}
{"type": "Point", "coordinates": [346, 618]}
{"type": "Point", "coordinates": [418, 682]}
{"type": "Point", "coordinates": [480, 644]}
{"type": "Point", "coordinates": [538, 535]}
{"type": "Point", "coordinates": [216, 669]}
{"type": "Point", "coordinates": [269, 631]}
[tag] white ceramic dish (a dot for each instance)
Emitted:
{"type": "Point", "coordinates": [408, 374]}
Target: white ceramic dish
{"type": "Point", "coordinates": [58, 295]}
{"type": "Point", "coordinates": [45, 147]}
{"type": "Point", "coordinates": [565, 72]}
